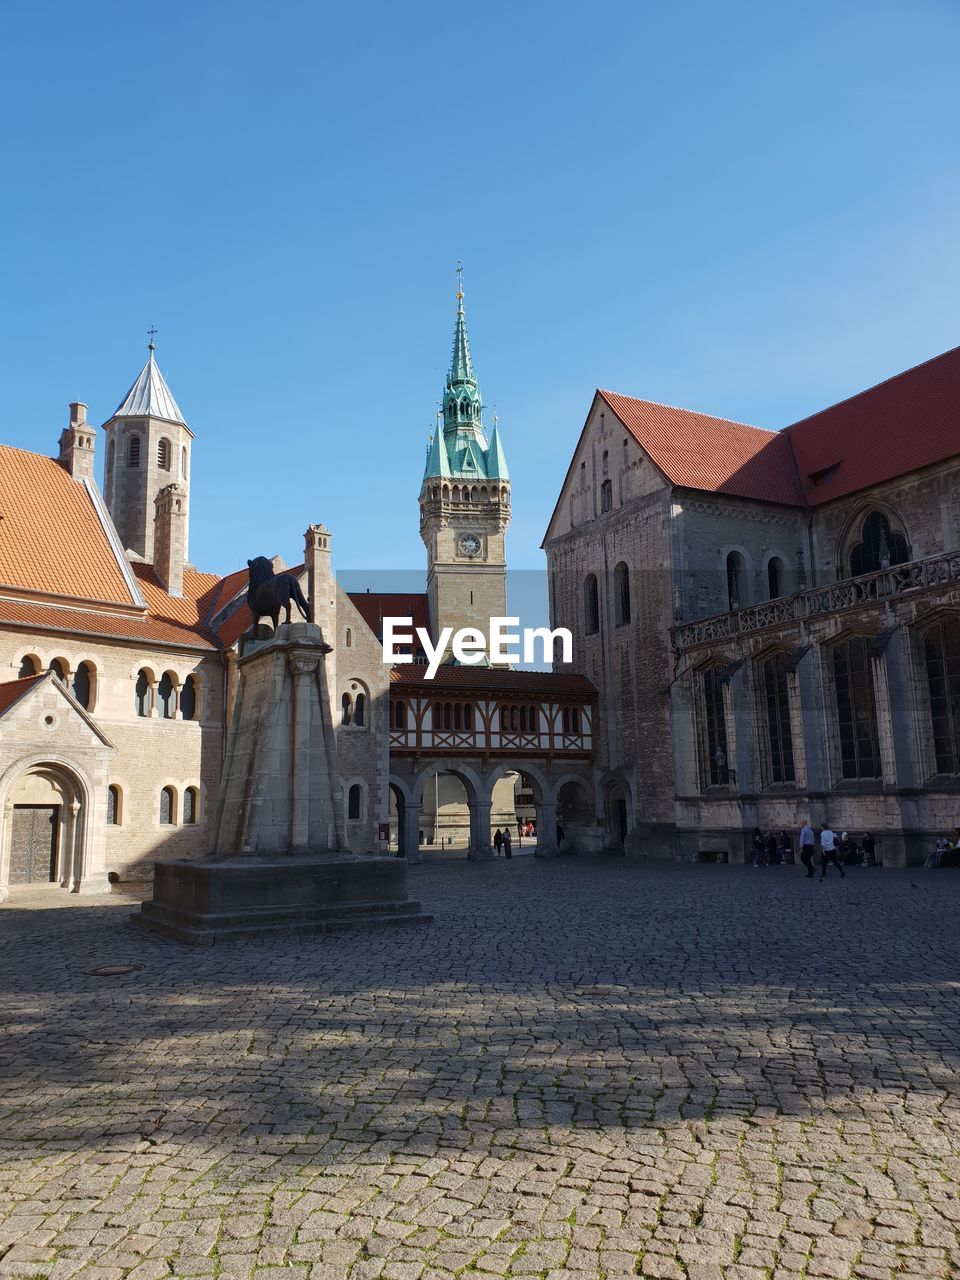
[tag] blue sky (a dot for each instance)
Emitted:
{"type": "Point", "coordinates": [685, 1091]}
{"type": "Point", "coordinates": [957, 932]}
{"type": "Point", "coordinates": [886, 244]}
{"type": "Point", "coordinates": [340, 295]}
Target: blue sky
{"type": "Point", "coordinates": [745, 208]}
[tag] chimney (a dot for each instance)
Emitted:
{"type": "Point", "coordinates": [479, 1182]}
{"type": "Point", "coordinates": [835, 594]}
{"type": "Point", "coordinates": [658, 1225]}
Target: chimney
{"type": "Point", "coordinates": [170, 537]}
{"type": "Point", "coordinates": [77, 443]}
{"type": "Point", "coordinates": [321, 599]}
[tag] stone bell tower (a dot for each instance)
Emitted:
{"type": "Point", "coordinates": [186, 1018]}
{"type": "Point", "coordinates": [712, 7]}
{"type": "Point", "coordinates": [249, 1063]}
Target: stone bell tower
{"type": "Point", "coordinates": [464, 502]}
{"type": "Point", "coordinates": [148, 449]}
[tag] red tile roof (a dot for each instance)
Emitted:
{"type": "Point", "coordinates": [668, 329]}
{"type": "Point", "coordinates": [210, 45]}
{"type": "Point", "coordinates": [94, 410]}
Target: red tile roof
{"type": "Point", "coordinates": [491, 680]}
{"type": "Point", "coordinates": [373, 606]}
{"type": "Point", "coordinates": [13, 690]}
{"type": "Point", "coordinates": [697, 451]}
{"type": "Point", "coordinates": [905, 423]}
{"type": "Point", "coordinates": [240, 620]}
{"type": "Point", "coordinates": [908, 422]}
{"type": "Point", "coordinates": [51, 538]}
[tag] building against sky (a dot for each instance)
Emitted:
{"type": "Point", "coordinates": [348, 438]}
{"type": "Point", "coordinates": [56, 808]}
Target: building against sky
{"type": "Point", "coordinates": [118, 655]}
{"type": "Point", "coordinates": [772, 618]}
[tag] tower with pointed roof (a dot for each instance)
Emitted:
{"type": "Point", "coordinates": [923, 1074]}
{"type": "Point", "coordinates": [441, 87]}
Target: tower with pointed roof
{"type": "Point", "coordinates": [464, 501]}
{"type": "Point", "coordinates": [148, 449]}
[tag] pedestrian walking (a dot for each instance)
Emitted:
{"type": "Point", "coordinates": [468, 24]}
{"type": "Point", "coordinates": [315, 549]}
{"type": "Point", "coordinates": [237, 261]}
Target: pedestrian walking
{"type": "Point", "coordinates": [828, 852]}
{"type": "Point", "coordinates": [498, 841]}
{"type": "Point", "coordinates": [507, 843]}
{"type": "Point", "coordinates": [806, 848]}
{"type": "Point", "coordinates": [848, 850]}
{"type": "Point", "coordinates": [785, 849]}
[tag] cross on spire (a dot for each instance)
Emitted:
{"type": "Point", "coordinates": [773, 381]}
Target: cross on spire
{"type": "Point", "coordinates": [151, 334]}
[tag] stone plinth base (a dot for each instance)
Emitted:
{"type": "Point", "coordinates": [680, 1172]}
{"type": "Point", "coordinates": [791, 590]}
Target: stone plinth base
{"type": "Point", "coordinates": [220, 898]}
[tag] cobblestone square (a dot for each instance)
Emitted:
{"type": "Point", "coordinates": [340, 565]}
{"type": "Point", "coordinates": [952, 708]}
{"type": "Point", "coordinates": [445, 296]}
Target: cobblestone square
{"type": "Point", "coordinates": [581, 1068]}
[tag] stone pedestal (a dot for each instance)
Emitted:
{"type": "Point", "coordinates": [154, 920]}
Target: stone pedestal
{"type": "Point", "coordinates": [281, 863]}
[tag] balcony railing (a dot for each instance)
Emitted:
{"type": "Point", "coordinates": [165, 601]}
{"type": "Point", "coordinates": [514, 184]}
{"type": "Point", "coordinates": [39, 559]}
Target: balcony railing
{"type": "Point", "coordinates": [885, 584]}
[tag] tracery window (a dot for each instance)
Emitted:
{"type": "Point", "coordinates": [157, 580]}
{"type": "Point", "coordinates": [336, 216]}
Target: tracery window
{"type": "Point", "coordinates": [941, 649]}
{"type": "Point", "coordinates": [776, 696]}
{"type": "Point", "coordinates": [879, 547]}
{"type": "Point", "coordinates": [856, 709]}
{"type": "Point", "coordinates": [113, 806]}
{"type": "Point", "coordinates": [713, 739]}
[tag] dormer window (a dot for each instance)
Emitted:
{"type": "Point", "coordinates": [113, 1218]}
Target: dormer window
{"type": "Point", "coordinates": [824, 475]}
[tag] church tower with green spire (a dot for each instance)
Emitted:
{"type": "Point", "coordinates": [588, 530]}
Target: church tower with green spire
{"type": "Point", "coordinates": [464, 502]}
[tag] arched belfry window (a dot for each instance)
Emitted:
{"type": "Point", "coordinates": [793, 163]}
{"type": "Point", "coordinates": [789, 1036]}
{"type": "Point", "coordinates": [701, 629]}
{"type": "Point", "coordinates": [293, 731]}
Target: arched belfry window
{"type": "Point", "coordinates": [133, 452]}
{"type": "Point", "coordinates": [163, 454]}
{"type": "Point", "coordinates": [879, 546]}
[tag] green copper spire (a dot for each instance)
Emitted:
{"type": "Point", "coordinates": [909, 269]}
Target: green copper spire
{"type": "Point", "coordinates": [459, 448]}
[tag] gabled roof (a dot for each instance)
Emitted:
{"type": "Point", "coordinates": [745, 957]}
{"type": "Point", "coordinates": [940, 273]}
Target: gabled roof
{"type": "Point", "coordinates": [13, 690]}
{"type": "Point", "coordinates": [52, 538]}
{"type": "Point", "coordinates": [698, 451]}
{"type": "Point", "coordinates": [907, 422]}
{"type": "Point", "coordinates": [150, 397]}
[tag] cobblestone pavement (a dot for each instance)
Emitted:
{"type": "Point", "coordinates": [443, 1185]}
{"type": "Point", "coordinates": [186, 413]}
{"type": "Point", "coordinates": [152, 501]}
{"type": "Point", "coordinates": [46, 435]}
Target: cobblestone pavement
{"type": "Point", "coordinates": [581, 1068]}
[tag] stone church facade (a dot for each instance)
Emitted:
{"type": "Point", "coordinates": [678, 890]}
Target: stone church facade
{"type": "Point", "coordinates": [772, 619]}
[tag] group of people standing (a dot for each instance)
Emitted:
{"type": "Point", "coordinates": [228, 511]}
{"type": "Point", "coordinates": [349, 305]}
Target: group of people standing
{"type": "Point", "coordinates": [776, 849]}
{"type": "Point", "coordinates": [503, 842]}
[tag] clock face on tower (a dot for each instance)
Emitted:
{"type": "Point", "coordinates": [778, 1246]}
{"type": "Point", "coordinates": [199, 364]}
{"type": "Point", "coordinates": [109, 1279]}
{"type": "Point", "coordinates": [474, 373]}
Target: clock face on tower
{"type": "Point", "coordinates": [470, 545]}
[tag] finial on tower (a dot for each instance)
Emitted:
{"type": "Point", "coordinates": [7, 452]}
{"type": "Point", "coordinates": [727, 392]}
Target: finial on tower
{"type": "Point", "coordinates": [459, 281]}
{"type": "Point", "coordinates": [151, 334]}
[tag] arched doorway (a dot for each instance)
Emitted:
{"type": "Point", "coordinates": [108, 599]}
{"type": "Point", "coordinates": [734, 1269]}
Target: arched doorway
{"type": "Point", "coordinates": [397, 816]}
{"type": "Point", "coordinates": [577, 830]}
{"type": "Point", "coordinates": [44, 831]}
{"type": "Point", "coordinates": [615, 816]}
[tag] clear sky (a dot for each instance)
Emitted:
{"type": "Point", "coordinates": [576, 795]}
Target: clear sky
{"type": "Point", "coordinates": [744, 208]}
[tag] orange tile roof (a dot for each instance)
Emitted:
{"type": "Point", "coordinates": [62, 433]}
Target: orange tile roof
{"type": "Point", "coordinates": [51, 538]}
{"type": "Point", "coordinates": [697, 451]}
{"type": "Point", "coordinates": [13, 690]}
{"type": "Point", "coordinates": [907, 422]}
{"type": "Point", "coordinates": [232, 628]}
{"type": "Point", "coordinates": [485, 681]}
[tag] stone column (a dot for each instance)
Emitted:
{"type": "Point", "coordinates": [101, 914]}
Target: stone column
{"type": "Point", "coordinates": [303, 667]}
{"type": "Point", "coordinates": [547, 843]}
{"type": "Point", "coordinates": [6, 837]}
{"type": "Point", "coordinates": [480, 846]}
{"type": "Point", "coordinates": [68, 869]}
{"type": "Point", "coordinates": [411, 832]}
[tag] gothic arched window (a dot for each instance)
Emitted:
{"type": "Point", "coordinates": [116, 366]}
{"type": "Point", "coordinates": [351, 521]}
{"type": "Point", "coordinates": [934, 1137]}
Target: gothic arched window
{"type": "Point", "coordinates": [114, 806]}
{"type": "Point", "coordinates": [355, 802]}
{"type": "Point", "coordinates": [345, 709]}
{"type": "Point", "coordinates": [606, 496]}
{"type": "Point", "coordinates": [133, 452]}
{"type": "Point", "coordinates": [776, 696]}
{"type": "Point", "coordinates": [591, 605]}
{"type": "Point", "coordinates": [713, 738]}
{"type": "Point", "coordinates": [879, 547]}
{"type": "Point", "coordinates": [621, 593]}
{"type": "Point", "coordinates": [941, 651]}
{"type": "Point", "coordinates": [856, 709]}
{"type": "Point", "coordinates": [360, 710]}
{"type": "Point", "coordinates": [191, 806]}
{"type": "Point", "coordinates": [736, 581]}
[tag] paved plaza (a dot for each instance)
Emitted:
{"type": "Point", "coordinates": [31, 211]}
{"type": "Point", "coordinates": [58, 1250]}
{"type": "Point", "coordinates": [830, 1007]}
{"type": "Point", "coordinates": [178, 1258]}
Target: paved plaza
{"type": "Point", "coordinates": [581, 1068]}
